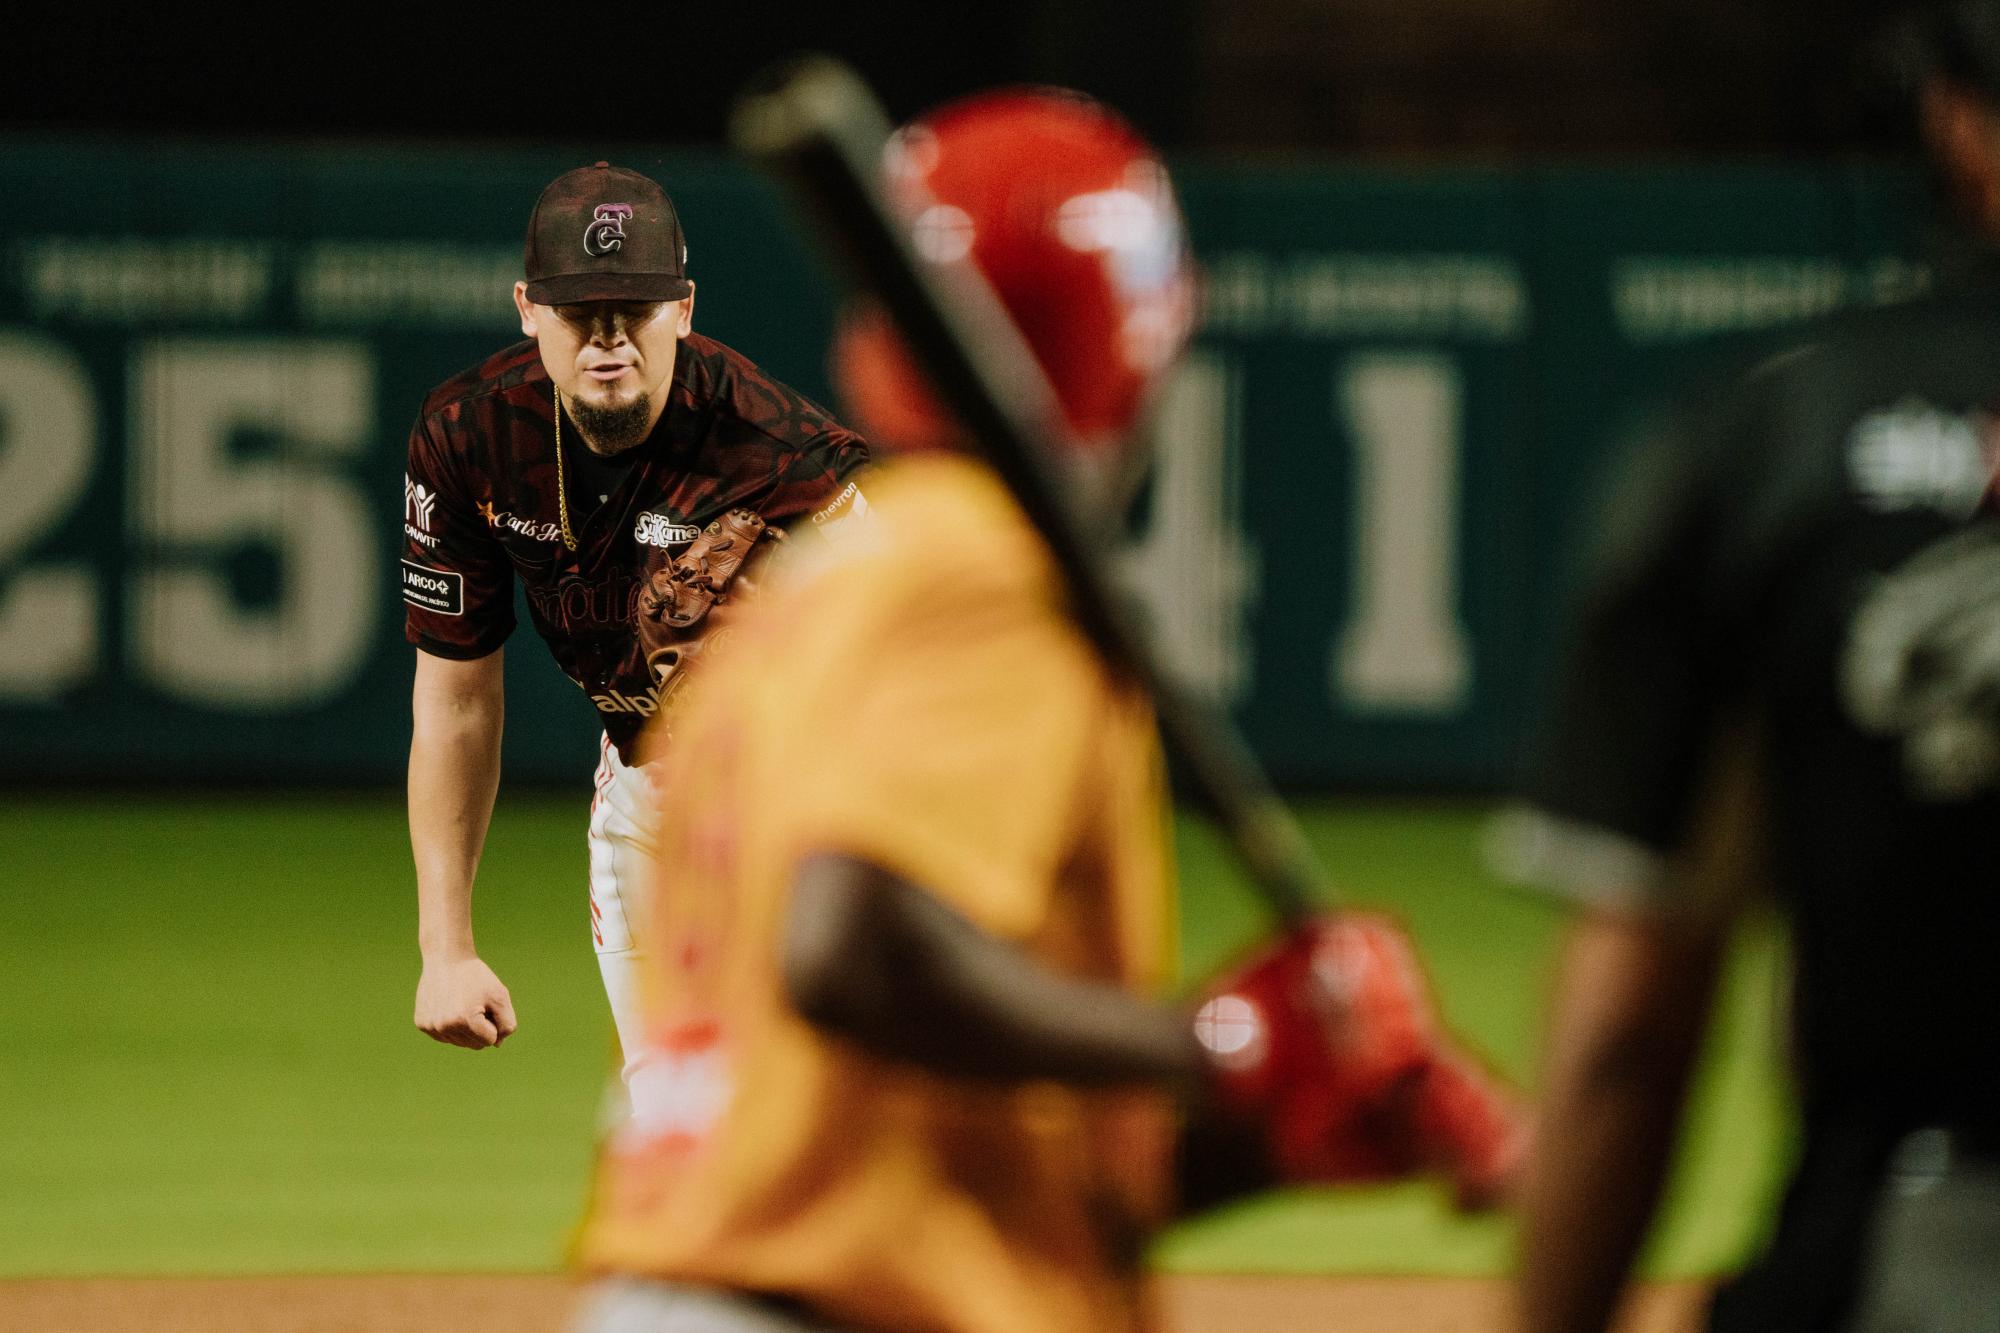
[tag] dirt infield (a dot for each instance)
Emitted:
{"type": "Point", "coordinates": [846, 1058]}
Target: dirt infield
{"type": "Point", "coordinates": [460, 1304]}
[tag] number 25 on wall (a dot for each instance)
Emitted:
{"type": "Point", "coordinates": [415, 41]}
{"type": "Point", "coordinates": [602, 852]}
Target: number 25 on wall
{"type": "Point", "coordinates": [190, 504]}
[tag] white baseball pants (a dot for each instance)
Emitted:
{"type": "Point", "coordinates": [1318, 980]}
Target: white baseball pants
{"type": "Point", "coordinates": [621, 870]}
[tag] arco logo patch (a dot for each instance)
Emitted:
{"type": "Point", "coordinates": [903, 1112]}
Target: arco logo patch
{"type": "Point", "coordinates": [439, 590]}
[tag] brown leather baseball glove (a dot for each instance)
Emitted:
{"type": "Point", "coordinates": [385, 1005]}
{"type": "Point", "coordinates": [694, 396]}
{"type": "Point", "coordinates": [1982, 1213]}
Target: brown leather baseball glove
{"type": "Point", "coordinates": [716, 570]}
{"type": "Point", "coordinates": [699, 577]}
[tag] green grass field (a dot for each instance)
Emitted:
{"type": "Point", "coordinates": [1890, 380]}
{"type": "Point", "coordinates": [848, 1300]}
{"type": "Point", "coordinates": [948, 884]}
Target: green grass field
{"type": "Point", "coordinates": [207, 1064]}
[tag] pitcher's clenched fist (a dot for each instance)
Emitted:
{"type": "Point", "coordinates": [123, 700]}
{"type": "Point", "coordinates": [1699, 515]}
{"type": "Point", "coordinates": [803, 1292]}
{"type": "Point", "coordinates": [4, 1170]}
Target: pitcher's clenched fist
{"type": "Point", "coordinates": [462, 1003]}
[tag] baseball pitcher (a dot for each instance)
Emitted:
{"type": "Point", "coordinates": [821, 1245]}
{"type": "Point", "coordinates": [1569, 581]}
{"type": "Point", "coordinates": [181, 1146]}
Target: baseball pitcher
{"type": "Point", "coordinates": [624, 470]}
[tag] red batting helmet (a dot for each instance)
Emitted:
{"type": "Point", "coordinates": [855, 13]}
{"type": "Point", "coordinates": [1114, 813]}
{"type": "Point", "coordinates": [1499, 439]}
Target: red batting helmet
{"type": "Point", "coordinates": [1070, 216]}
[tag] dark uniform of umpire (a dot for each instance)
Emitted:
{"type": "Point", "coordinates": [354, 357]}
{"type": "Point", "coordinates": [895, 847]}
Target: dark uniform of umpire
{"type": "Point", "coordinates": [1795, 608]}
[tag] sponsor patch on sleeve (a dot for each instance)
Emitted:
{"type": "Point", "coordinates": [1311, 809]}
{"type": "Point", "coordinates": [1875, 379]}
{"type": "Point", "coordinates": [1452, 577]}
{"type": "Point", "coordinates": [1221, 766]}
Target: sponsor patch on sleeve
{"type": "Point", "coordinates": [439, 590]}
{"type": "Point", "coordinates": [845, 512]}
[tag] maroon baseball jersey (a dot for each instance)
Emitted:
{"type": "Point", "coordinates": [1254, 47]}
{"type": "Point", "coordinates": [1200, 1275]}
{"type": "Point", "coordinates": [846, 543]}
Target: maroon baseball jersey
{"type": "Point", "coordinates": [480, 509]}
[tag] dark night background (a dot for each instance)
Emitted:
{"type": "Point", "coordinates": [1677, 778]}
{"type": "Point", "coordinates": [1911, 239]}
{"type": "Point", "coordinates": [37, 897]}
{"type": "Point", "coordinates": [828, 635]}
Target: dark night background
{"type": "Point", "coordinates": [1244, 77]}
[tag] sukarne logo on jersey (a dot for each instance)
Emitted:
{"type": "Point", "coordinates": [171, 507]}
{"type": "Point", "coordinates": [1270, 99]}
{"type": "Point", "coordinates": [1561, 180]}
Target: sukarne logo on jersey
{"type": "Point", "coordinates": [655, 529]}
{"type": "Point", "coordinates": [418, 502]}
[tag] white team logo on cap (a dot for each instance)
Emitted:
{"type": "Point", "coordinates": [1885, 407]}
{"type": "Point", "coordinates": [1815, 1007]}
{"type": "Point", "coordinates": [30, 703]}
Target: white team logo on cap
{"type": "Point", "coordinates": [606, 231]}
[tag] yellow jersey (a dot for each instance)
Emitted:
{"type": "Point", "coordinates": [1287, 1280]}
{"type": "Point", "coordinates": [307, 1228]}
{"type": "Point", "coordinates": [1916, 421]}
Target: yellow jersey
{"type": "Point", "coordinates": [906, 690]}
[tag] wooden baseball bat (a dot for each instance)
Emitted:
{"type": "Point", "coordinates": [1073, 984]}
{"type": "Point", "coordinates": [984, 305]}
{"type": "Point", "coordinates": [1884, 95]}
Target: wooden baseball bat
{"type": "Point", "coordinates": [817, 127]}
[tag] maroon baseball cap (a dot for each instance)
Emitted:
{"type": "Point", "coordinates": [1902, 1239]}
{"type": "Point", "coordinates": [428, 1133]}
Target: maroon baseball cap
{"type": "Point", "coordinates": [602, 233]}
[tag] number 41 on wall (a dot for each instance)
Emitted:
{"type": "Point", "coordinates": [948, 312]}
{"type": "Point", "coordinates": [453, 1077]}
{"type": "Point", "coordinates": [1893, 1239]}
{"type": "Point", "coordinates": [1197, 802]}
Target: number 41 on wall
{"type": "Point", "coordinates": [1401, 648]}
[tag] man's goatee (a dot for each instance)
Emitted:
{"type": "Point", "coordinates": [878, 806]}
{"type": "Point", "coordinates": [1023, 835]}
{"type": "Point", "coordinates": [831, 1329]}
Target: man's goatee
{"type": "Point", "coordinates": [612, 430]}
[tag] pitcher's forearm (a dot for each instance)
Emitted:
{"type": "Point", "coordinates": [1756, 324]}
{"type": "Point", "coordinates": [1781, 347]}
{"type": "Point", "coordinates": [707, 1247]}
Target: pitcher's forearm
{"type": "Point", "coordinates": [453, 778]}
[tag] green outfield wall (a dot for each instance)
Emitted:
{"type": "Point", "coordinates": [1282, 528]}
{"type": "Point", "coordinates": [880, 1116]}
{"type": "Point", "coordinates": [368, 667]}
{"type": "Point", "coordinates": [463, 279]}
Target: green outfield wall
{"type": "Point", "coordinates": [1370, 469]}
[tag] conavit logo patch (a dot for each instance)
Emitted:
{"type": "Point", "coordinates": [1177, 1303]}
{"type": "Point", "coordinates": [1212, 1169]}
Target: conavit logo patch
{"type": "Point", "coordinates": [418, 502]}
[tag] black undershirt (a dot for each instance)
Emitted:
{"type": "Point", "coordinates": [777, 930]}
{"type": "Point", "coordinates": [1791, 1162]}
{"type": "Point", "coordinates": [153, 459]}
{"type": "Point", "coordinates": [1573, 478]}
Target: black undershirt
{"type": "Point", "coordinates": [592, 477]}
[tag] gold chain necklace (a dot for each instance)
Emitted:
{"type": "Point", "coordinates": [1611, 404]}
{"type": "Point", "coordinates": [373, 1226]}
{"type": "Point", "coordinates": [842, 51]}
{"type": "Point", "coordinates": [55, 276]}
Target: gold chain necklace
{"type": "Point", "coordinates": [562, 486]}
